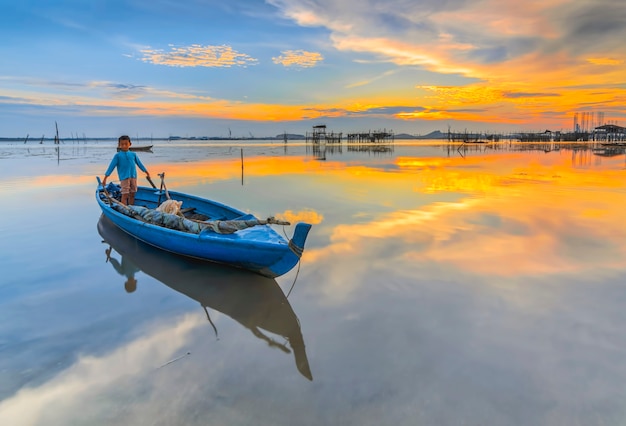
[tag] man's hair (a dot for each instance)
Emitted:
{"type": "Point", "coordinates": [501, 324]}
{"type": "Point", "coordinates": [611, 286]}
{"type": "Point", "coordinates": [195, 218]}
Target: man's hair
{"type": "Point", "coordinates": [123, 138]}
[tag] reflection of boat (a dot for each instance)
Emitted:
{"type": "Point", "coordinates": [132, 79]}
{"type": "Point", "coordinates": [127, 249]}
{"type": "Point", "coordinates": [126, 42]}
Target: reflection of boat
{"type": "Point", "coordinates": [607, 151]}
{"type": "Point", "coordinates": [140, 148]}
{"type": "Point", "coordinates": [211, 230]}
{"type": "Point", "coordinates": [614, 144]}
{"type": "Point", "coordinates": [256, 302]}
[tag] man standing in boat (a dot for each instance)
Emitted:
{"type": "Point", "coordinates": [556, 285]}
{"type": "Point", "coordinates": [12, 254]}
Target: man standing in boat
{"type": "Point", "coordinates": [126, 163]}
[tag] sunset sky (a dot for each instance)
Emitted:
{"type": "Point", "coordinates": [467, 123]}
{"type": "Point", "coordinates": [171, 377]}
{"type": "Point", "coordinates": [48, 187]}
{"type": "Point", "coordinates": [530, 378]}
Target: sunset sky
{"type": "Point", "coordinates": [259, 68]}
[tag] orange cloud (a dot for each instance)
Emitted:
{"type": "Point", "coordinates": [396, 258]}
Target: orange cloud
{"type": "Point", "coordinates": [605, 61]}
{"type": "Point", "coordinates": [198, 56]}
{"type": "Point", "coordinates": [308, 216]}
{"type": "Point", "coordinates": [298, 58]}
{"type": "Point", "coordinates": [401, 53]}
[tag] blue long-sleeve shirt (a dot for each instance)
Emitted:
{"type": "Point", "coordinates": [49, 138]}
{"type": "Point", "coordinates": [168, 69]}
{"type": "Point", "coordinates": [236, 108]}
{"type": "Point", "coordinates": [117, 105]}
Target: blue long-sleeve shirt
{"type": "Point", "coordinates": [125, 163]}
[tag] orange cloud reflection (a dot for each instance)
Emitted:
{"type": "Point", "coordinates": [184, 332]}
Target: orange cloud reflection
{"type": "Point", "coordinates": [509, 219]}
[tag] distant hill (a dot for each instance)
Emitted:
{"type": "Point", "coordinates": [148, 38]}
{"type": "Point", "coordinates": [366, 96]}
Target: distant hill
{"type": "Point", "coordinates": [290, 136]}
{"type": "Point", "coordinates": [433, 135]}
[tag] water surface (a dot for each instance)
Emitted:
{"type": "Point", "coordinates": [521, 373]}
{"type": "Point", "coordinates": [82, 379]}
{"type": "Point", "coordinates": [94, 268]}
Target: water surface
{"type": "Point", "coordinates": [439, 285]}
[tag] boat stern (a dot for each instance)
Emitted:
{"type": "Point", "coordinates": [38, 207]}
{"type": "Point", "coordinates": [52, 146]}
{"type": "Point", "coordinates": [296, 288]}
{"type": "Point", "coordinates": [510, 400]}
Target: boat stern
{"type": "Point", "coordinates": [292, 256]}
{"type": "Point", "coordinates": [299, 238]}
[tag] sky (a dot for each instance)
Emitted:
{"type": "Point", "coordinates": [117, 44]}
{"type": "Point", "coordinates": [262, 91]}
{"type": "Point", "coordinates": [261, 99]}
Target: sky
{"type": "Point", "coordinates": [254, 68]}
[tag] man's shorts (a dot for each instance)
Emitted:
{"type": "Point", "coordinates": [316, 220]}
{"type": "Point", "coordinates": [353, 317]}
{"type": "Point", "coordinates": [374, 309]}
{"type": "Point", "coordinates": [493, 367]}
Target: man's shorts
{"type": "Point", "coordinates": [129, 186]}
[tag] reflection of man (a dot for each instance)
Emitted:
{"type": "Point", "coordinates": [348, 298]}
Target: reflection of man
{"type": "Point", "coordinates": [126, 268]}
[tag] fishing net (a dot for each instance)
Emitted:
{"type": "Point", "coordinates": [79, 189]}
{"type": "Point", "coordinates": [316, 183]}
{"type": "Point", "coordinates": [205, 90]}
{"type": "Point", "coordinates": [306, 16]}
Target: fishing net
{"type": "Point", "coordinates": [180, 223]}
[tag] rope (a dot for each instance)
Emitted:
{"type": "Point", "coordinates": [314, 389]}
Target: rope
{"type": "Point", "coordinates": [174, 360]}
{"type": "Point", "coordinates": [206, 311]}
{"type": "Point", "coordinates": [294, 280]}
{"type": "Point", "coordinates": [295, 249]}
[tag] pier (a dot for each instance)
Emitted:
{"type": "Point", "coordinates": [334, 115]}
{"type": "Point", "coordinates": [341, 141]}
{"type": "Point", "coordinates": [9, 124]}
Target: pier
{"type": "Point", "coordinates": [380, 136]}
{"type": "Point", "coordinates": [319, 135]}
{"type": "Point", "coordinates": [469, 137]}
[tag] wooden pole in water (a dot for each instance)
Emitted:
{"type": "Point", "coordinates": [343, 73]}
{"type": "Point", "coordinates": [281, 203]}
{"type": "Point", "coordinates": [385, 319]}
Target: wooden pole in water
{"type": "Point", "coordinates": [241, 166]}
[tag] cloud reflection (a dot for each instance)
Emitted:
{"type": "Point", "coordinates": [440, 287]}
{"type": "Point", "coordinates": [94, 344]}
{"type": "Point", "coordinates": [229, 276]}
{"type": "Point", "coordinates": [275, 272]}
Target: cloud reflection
{"type": "Point", "coordinates": [510, 220]}
{"type": "Point", "coordinates": [80, 388]}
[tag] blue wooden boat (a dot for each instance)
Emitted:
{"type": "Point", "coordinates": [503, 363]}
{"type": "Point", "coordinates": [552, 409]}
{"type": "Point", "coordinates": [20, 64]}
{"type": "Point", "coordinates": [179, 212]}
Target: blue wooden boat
{"type": "Point", "coordinates": [256, 302]}
{"type": "Point", "coordinates": [258, 248]}
{"type": "Point", "coordinates": [143, 148]}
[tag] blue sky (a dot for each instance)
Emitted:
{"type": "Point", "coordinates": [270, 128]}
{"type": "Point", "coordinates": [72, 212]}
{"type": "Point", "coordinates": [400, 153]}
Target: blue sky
{"type": "Point", "coordinates": [204, 68]}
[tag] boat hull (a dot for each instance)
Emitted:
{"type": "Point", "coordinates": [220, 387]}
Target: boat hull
{"type": "Point", "coordinates": [147, 148]}
{"type": "Point", "coordinates": [260, 248]}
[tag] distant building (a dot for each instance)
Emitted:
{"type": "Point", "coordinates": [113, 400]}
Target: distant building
{"type": "Point", "coordinates": [609, 133]}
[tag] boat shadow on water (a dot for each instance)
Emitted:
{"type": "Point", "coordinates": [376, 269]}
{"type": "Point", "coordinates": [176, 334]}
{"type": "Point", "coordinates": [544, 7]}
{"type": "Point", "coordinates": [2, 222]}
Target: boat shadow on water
{"type": "Point", "coordinates": [256, 302]}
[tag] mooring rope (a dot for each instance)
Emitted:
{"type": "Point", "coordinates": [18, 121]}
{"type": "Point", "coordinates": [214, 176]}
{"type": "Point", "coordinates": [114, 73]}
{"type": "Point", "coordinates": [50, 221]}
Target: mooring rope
{"type": "Point", "coordinates": [295, 249]}
{"type": "Point", "coordinates": [294, 280]}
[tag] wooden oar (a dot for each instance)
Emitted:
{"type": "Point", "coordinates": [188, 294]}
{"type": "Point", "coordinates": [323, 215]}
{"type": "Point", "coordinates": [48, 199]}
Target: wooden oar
{"type": "Point", "coordinates": [151, 183]}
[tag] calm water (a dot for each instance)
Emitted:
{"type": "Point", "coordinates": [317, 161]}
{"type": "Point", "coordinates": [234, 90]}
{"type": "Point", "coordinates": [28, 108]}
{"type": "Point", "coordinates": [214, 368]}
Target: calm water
{"type": "Point", "coordinates": [483, 286]}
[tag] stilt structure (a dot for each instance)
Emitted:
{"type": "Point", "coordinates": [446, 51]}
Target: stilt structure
{"type": "Point", "coordinates": [319, 135]}
{"type": "Point", "coordinates": [380, 136]}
